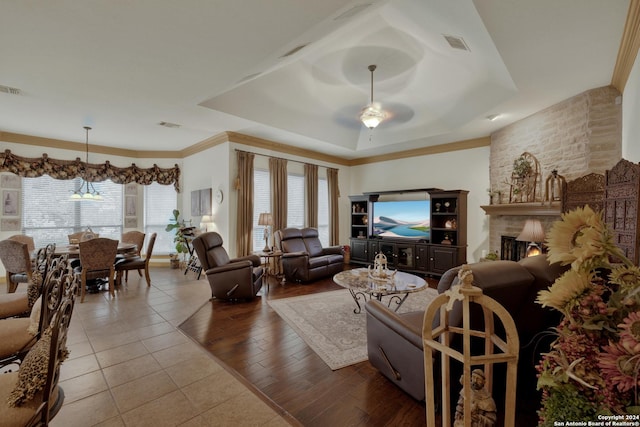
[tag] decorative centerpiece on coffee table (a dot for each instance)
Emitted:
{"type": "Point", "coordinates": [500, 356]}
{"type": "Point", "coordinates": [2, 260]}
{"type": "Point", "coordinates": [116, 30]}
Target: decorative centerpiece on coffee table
{"type": "Point", "coordinates": [380, 271]}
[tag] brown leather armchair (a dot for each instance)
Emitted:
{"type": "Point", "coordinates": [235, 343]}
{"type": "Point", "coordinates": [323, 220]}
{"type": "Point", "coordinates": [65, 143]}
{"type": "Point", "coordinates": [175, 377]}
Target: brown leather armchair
{"type": "Point", "coordinates": [394, 341]}
{"type": "Point", "coordinates": [303, 257]}
{"type": "Point", "coordinates": [238, 278]}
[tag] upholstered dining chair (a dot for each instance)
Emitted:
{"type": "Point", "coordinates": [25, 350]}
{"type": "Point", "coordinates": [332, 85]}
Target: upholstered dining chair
{"type": "Point", "coordinates": [97, 258]}
{"type": "Point", "coordinates": [23, 238]}
{"type": "Point", "coordinates": [32, 396]}
{"type": "Point", "coordinates": [17, 263]}
{"type": "Point", "coordinates": [136, 263]}
{"type": "Point", "coordinates": [137, 238]}
{"type": "Point", "coordinates": [19, 334]}
{"type": "Point", "coordinates": [238, 278]}
{"type": "Point", "coordinates": [19, 304]}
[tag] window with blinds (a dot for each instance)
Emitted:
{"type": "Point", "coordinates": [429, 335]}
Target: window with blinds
{"type": "Point", "coordinates": [49, 216]}
{"type": "Point", "coordinates": [159, 202]}
{"type": "Point", "coordinates": [261, 203]}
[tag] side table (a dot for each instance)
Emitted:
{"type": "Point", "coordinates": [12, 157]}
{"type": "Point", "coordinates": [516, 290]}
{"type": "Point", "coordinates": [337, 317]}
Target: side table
{"type": "Point", "coordinates": [272, 265]}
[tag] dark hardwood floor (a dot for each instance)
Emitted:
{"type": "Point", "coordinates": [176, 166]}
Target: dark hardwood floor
{"type": "Point", "coordinates": [258, 347]}
{"type": "Point", "coordinates": [255, 343]}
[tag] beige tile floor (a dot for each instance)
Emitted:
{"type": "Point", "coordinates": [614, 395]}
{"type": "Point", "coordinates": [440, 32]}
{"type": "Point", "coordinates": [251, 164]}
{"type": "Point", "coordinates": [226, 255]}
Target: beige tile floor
{"type": "Point", "coordinates": [130, 366]}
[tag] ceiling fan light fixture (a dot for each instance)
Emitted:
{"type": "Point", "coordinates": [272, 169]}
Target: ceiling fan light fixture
{"type": "Point", "coordinates": [371, 115]}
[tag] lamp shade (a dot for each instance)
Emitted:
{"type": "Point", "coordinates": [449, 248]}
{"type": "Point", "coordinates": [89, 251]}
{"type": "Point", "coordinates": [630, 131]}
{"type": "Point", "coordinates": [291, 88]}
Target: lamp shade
{"type": "Point", "coordinates": [265, 219]}
{"type": "Point", "coordinates": [532, 231]}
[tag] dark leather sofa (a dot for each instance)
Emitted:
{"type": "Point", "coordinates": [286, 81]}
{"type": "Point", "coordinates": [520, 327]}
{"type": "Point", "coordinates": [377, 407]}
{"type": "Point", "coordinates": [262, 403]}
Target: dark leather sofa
{"type": "Point", "coordinates": [303, 257]}
{"type": "Point", "coordinates": [394, 341]}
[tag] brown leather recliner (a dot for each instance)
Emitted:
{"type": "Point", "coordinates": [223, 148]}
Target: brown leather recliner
{"type": "Point", "coordinates": [303, 257]}
{"type": "Point", "coordinates": [394, 341]}
{"type": "Point", "coordinates": [238, 278]}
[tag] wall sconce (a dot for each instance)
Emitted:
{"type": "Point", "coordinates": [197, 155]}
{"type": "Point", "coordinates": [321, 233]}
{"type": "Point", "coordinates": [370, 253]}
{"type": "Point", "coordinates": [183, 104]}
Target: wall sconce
{"type": "Point", "coordinates": [533, 233]}
{"type": "Point", "coordinates": [266, 219]}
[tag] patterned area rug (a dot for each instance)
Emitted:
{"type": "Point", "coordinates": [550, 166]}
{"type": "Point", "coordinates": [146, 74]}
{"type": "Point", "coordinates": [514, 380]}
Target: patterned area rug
{"type": "Point", "coordinates": [327, 323]}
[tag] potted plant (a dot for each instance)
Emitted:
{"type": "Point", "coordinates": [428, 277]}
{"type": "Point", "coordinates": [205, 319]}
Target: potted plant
{"type": "Point", "coordinates": [178, 226]}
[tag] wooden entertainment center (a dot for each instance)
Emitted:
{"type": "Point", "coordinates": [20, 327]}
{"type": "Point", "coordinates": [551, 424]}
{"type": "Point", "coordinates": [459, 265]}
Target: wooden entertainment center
{"type": "Point", "coordinates": [445, 248]}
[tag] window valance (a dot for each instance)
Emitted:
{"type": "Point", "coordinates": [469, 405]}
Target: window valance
{"type": "Point", "coordinates": [69, 169]}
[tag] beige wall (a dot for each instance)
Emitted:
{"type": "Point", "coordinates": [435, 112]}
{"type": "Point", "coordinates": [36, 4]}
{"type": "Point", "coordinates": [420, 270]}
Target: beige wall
{"type": "Point", "coordinates": [631, 115]}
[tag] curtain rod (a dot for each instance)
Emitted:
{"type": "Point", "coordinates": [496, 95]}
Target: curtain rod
{"type": "Point", "coordinates": [281, 158]}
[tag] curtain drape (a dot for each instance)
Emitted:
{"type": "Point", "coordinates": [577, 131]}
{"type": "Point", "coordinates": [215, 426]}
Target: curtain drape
{"type": "Point", "coordinates": [244, 185]}
{"type": "Point", "coordinates": [311, 193]}
{"type": "Point", "coordinates": [69, 169]}
{"type": "Point", "coordinates": [278, 172]}
{"type": "Point", "coordinates": [334, 217]}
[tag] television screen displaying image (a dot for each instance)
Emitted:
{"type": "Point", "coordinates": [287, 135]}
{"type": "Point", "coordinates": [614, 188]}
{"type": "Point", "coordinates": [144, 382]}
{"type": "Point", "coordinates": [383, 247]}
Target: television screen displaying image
{"type": "Point", "coordinates": [406, 218]}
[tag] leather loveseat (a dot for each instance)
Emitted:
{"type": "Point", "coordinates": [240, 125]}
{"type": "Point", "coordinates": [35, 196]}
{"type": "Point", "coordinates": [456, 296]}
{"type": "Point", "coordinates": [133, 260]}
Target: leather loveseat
{"type": "Point", "coordinates": [303, 257]}
{"type": "Point", "coordinates": [394, 341]}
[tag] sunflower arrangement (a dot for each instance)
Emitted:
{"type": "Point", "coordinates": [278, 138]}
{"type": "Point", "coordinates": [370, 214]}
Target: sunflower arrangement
{"type": "Point", "coordinates": [593, 365]}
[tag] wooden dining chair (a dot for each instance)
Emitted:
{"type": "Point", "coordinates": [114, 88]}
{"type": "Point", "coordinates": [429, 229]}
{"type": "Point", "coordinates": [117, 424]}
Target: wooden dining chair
{"type": "Point", "coordinates": [17, 263]}
{"type": "Point", "coordinates": [137, 238]}
{"type": "Point", "coordinates": [97, 257]}
{"type": "Point", "coordinates": [23, 238]}
{"type": "Point", "coordinates": [137, 263]}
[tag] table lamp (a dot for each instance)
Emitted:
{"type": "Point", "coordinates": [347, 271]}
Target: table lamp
{"type": "Point", "coordinates": [266, 219]}
{"type": "Point", "coordinates": [533, 233]}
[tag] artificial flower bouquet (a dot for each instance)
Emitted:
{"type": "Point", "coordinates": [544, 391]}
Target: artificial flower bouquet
{"type": "Point", "coordinates": [592, 367]}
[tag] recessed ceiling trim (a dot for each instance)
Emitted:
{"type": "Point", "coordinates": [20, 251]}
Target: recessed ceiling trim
{"type": "Point", "coordinates": [629, 46]}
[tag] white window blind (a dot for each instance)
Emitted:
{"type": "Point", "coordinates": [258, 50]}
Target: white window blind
{"type": "Point", "coordinates": [295, 200]}
{"type": "Point", "coordinates": [323, 211]}
{"type": "Point", "coordinates": [49, 216]}
{"type": "Point", "coordinates": [261, 203]}
{"type": "Point", "coordinates": [159, 202]}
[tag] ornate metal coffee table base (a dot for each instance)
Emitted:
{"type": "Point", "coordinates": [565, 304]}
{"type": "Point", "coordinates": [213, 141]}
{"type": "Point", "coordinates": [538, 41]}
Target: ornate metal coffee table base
{"type": "Point", "coordinates": [363, 288]}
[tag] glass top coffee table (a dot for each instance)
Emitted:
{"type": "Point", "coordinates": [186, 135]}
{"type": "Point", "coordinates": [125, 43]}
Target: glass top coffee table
{"type": "Point", "coordinates": [363, 287]}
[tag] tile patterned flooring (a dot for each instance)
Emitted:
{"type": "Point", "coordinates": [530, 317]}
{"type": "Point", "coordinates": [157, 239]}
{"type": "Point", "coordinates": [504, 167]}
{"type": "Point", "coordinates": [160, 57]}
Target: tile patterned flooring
{"type": "Point", "coordinates": [129, 365]}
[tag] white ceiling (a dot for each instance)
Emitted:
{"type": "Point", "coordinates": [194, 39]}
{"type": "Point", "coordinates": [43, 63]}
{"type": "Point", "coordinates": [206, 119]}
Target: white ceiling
{"type": "Point", "coordinates": [123, 66]}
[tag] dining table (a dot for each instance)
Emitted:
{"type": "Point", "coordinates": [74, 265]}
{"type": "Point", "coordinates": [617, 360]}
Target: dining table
{"type": "Point", "coordinates": [124, 249]}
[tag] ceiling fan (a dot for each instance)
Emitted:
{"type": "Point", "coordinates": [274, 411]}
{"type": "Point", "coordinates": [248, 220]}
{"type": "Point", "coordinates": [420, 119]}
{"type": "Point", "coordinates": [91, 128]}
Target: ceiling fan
{"type": "Point", "coordinates": [372, 115]}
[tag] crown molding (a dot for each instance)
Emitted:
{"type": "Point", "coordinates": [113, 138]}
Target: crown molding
{"type": "Point", "coordinates": [467, 144]}
{"type": "Point", "coordinates": [248, 140]}
{"type": "Point", "coordinates": [18, 138]}
{"type": "Point", "coordinates": [629, 46]}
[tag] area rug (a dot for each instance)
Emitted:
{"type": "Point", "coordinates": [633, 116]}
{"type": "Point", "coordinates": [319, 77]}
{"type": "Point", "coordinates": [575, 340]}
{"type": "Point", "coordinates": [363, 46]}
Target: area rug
{"type": "Point", "coordinates": [327, 323]}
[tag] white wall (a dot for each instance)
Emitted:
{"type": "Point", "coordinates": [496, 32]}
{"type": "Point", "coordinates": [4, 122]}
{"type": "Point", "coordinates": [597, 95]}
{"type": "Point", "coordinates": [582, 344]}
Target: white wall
{"type": "Point", "coordinates": [630, 115]}
{"type": "Point", "coordinates": [208, 169]}
{"type": "Point", "coordinates": [457, 170]}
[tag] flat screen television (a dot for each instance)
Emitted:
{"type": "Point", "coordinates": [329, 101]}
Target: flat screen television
{"type": "Point", "coordinates": [402, 218]}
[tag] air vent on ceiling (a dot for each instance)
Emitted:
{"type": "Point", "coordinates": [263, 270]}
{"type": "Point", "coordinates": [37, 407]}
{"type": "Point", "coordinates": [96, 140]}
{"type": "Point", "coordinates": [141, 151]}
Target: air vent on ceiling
{"type": "Point", "coordinates": [352, 12]}
{"type": "Point", "coordinates": [294, 50]}
{"type": "Point", "coordinates": [249, 77]}
{"type": "Point", "coordinates": [169, 125]}
{"type": "Point", "coordinates": [456, 42]}
{"type": "Point", "coordinates": [10, 90]}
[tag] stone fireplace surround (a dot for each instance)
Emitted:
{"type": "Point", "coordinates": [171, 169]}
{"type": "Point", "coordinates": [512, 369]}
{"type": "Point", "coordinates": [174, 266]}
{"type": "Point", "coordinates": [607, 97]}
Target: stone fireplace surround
{"type": "Point", "coordinates": [577, 136]}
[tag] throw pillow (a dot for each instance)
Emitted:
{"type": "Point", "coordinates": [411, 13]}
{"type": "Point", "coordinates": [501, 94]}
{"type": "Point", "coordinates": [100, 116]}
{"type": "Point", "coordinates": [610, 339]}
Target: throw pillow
{"type": "Point", "coordinates": [34, 318]}
{"type": "Point", "coordinates": [32, 375]}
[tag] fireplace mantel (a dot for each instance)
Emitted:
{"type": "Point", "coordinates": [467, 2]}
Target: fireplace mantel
{"type": "Point", "coordinates": [524, 209]}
